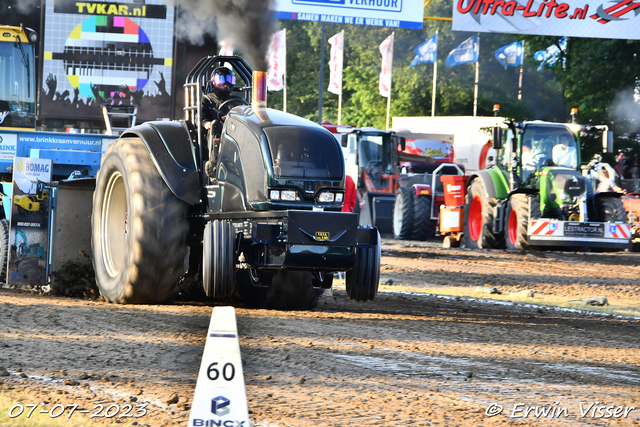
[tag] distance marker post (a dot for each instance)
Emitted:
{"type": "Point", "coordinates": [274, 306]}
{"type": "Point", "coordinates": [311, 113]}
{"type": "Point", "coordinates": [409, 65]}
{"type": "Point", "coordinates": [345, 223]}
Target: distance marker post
{"type": "Point", "coordinates": [220, 398]}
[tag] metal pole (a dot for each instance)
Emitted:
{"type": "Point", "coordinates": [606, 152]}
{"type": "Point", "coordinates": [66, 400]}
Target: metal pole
{"type": "Point", "coordinates": [321, 87]}
{"type": "Point", "coordinates": [433, 95]}
{"type": "Point", "coordinates": [284, 76]}
{"type": "Point", "coordinates": [520, 80]}
{"type": "Point", "coordinates": [475, 90]}
{"type": "Point", "coordinates": [390, 81]}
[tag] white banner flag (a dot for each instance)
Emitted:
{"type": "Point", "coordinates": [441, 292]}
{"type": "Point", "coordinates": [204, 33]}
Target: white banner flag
{"type": "Point", "coordinates": [277, 61]}
{"type": "Point", "coordinates": [226, 47]}
{"type": "Point", "coordinates": [335, 63]}
{"type": "Point", "coordinates": [386, 50]}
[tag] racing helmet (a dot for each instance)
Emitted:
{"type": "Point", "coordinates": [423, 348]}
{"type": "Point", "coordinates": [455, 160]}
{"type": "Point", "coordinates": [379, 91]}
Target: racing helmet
{"type": "Point", "coordinates": [222, 81]}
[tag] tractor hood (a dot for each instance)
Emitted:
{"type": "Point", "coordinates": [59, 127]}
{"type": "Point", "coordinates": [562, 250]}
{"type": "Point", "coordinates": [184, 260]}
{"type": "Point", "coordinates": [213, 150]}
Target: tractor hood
{"type": "Point", "coordinates": [285, 152]}
{"type": "Point", "coordinates": [560, 186]}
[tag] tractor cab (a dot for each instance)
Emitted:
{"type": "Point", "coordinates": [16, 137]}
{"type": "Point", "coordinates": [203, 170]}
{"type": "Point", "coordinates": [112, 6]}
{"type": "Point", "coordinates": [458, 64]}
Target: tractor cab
{"type": "Point", "coordinates": [18, 82]}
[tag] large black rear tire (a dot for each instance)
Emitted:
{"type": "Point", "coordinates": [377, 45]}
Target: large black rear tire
{"type": "Point", "coordinates": [218, 261]}
{"type": "Point", "coordinates": [517, 222]}
{"type": "Point", "coordinates": [403, 213]}
{"type": "Point", "coordinates": [478, 217]}
{"type": "Point", "coordinates": [611, 209]}
{"type": "Point", "coordinates": [422, 229]}
{"type": "Point", "coordinates": [139, 228]}
{"type": "Point", "coordinates": [363, 280]}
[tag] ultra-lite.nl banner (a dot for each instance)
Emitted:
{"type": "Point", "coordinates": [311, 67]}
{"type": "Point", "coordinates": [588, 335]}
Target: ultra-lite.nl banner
{"type": "Point", "coordinates": [573, 18]}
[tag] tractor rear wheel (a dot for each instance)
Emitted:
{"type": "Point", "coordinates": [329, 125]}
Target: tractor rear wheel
{"type": "Point", "coordinates": [478, 217]}
{"type": "Point", "coordinates": [218, 262]}
{"type": "Point", "coordinates": [4, 249]}
{"type": "Point", "coordinates": [363, 280]}
{"type": "Point", "coordinates": [611, 209]}
{"type": "Point", "coordinates": [138, 228]}
{"type": "Point", "coordinates": [403, 213]}
{"type": "Point", "coordinates": [422, 229]}
{"type": "Point", "coordinates": [517, 222]}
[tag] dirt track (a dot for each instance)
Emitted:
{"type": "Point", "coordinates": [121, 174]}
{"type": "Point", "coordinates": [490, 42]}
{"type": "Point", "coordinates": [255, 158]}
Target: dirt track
{"type": "Point", "coordinates": [403, 359]}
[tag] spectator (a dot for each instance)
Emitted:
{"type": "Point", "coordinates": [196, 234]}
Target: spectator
{"type": "Point", "coordinates": [350, 196]}
{"type": "Point", "coordinates": [607, 184]}
{"type": "Point", "coordinates": [564, 153]}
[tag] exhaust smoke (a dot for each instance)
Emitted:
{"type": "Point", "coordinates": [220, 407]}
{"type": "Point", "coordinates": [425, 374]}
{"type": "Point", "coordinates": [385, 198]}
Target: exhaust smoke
{"type": "Point", "coordinates": [249, 24]}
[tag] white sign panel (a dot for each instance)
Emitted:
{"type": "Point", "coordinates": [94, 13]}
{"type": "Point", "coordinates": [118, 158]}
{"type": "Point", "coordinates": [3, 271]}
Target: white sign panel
{"type": "Point", "coordinates": [379, 13]}
{"type": "Point", "coordinates": [8, 143]}
{"type": "Point", "coordinates": [574, 18]}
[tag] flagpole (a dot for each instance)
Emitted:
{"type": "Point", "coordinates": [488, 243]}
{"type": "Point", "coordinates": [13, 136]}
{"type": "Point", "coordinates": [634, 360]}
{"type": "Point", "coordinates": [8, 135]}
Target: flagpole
{"type": "Point", "coordinates": [433, 90]}
{"type": "Point", "coordinates": [520, 81]}
{"type": "Point", "coordinates": [340, 94]}
{"type": "Point", "coordinates": [284, 76]}
{"type": "Point", "coordinates": [390, 82]}
{"type": "Point", "coordinates": [321, 86]}
{"type": "Point", "coordinates": [475, 90]}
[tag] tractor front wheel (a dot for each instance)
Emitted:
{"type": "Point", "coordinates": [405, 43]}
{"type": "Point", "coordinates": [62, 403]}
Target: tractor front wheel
{"type": "Point", "coordinates": [218, 261]}
{"type": "Point", "coordinates": [422, 229]}
{"type": "Point", "coordinates": [403, 213]}
{"type": "Point", "coordinates": [363, 280]}
{"type": "Point", "coordinates": [517, 222]}
{"type": "Point", "coordinates": [478, 217]}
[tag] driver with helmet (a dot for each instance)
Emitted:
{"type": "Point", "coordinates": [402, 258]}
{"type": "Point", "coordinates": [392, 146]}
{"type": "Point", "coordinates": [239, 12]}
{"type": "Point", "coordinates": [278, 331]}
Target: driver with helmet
{"type": "Point", "coordinates": [220, 88]}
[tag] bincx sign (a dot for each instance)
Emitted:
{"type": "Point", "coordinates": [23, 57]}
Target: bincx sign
{"type": "Point", "coordinates": [616, 19]}
{"type": "Point", "coordinates": [378, 13]}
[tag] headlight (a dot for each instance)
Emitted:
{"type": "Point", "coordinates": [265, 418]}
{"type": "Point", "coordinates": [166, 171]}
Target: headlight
{"type": "Point", "coordinates": [565, 197]}
{"type": "Point", "coordinates": [339, 197]}
{"type": "Point", "coordinates": [274, 195]}
{"type": "Point", "coordinates": [326, 197]}
{"type": "Point", "coordinates": [288, 195]}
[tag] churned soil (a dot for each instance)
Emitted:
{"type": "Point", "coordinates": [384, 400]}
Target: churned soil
{"type": "Point", "coordinates": [403, 359]}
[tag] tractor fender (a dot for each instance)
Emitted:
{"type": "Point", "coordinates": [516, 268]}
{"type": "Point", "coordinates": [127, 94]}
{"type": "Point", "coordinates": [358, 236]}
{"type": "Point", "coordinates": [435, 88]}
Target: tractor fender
{"type": "Point", "coordinates": [494, 182]}
{"type": "Point", "coordinates": [422, 189]}
{"type": "Point", "coordinates": [171, 150]}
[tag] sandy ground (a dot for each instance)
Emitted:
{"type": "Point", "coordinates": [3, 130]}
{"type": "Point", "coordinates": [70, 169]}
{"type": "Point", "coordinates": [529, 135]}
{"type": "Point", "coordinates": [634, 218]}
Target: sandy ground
{"type": "Point", "coordinates": [402, 359]}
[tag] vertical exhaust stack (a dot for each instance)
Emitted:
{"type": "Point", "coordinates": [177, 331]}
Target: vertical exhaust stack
{"type": "Point", "coordinates": [259, 91]}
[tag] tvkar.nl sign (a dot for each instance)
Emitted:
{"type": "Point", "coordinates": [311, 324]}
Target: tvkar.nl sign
{"type": "Point", "coordinates": [379, 13]}
{"type": "Point", "coordinates": [574, 18]}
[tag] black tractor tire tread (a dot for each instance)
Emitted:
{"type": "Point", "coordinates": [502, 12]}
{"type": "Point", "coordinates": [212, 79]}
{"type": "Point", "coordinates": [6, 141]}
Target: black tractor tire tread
{"type": "Point", "coordinates": [612, 209]}
{"type": "Point", "coordinates": [520, 204]}
{"type": "Point", "coordinates": [405, 195]}
{"type": "Point", "coordinates": [363, 280]}
{"type": "Point", "coordinates": [422, 229]}
{"type": "Point", "coordinates": [219, 268]}
{"type": "Point", "coordinates": [486, 240]}
{"type": "Point", "coordinates": [157, 223]}
{"type": "Point", "coordinates": [4, 248]}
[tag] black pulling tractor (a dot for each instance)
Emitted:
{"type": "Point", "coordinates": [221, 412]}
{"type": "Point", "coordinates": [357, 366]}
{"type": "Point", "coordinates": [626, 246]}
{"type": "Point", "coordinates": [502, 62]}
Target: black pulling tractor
{"type": "Point", "coordinates": [255, 212]}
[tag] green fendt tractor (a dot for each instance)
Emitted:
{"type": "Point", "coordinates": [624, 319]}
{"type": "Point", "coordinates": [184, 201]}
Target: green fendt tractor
{"type": "Point", "coordinates": [535, 194]}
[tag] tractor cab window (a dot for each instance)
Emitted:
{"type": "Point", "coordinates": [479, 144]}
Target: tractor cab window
{"type": "Point", "coordinates": [17, 85]}
{"type": "Point", "coordinates": [304, 152]}
{"type": "Point", "coordinates": [550, 145]}
{"type": "Point", "coordinates": [371, 152]}
{"type": "Point", "coordinates": [504, 155]}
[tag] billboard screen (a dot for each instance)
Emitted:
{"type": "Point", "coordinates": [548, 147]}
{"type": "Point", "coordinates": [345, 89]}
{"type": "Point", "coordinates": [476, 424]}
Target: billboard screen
{"type": "Point", "coordinates": [573, 18]}
{"type": "Point", "coordinates": [99, 53]}
{"type": "Point", "coordinates": [379, 13]}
